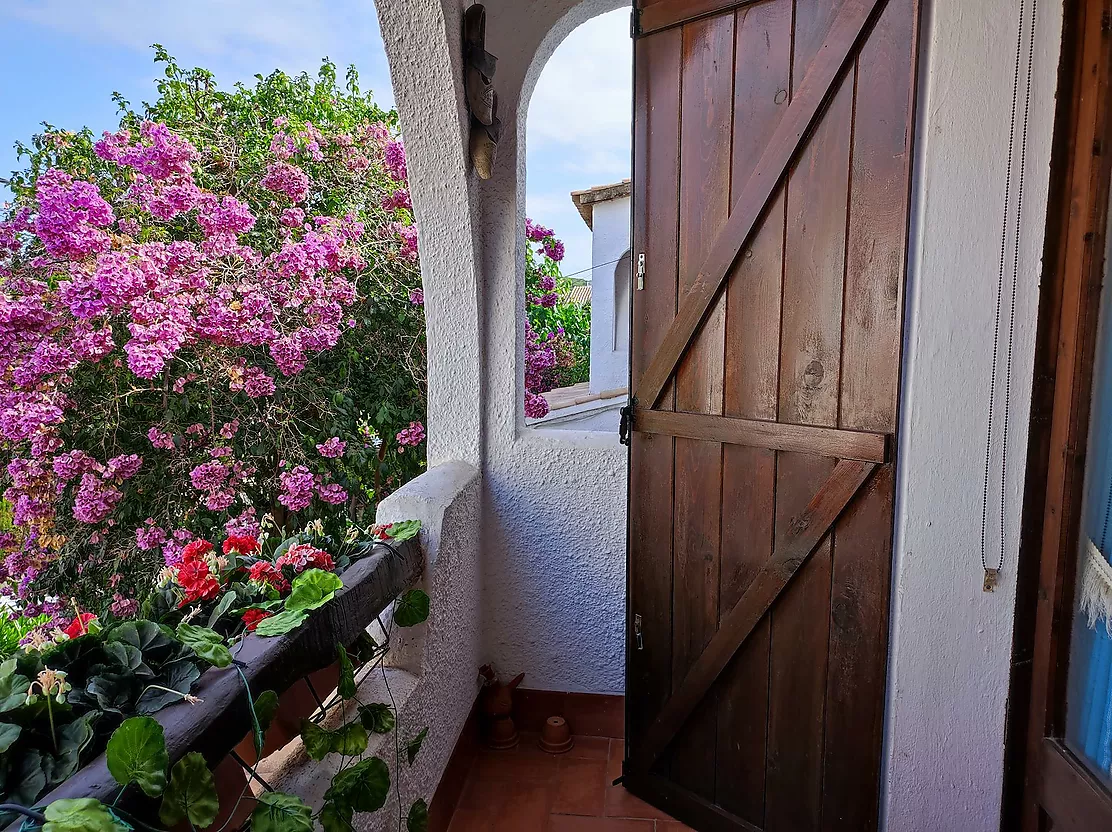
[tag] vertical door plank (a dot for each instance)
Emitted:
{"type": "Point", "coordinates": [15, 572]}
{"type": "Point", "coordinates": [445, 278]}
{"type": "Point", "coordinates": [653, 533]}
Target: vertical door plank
{"type": "Point", "coordinates": [797, 687]}
{"type": "Point", "coordinates": [877, 245]}
{"type": "Point", "coordinates": [762, 70]}
{"type": "Point", "coordinates": [655, 229]}
{"type": "Point", "coordinates": [872, 336]}
{"type": "Point", "coordinates": [810, 360]}
{"type": "Point", "coordinates": [706, 115]}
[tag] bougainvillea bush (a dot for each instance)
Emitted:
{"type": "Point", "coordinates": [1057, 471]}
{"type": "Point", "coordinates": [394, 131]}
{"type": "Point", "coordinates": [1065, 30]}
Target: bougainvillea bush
{"type": "Point", "coordinates": [208, 316]}
{"type": "Point", "coordinates": [557, 333]}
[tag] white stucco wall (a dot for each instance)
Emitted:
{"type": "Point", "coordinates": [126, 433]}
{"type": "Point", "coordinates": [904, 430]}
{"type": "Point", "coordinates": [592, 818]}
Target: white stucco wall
{"type": "Point", "coordinates": [609, 241]}
{"type": "Point", "coordinates": [951, 642]}
{"type": "Point", "coordinates": [553, 509]}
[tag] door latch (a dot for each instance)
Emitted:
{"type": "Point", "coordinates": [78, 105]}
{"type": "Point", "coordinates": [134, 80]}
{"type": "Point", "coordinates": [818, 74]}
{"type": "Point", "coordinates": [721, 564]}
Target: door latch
{"type": "Point", "coordinates": [640, 272]}
{"type": "Point", "coordinates": [625, 424]}
{"type": "Point", "coordinates": [637, 632]}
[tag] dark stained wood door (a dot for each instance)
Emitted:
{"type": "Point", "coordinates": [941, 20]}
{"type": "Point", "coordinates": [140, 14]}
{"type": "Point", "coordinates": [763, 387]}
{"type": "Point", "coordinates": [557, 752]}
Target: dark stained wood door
{"type": "Point", "coordinates": [772, 147]}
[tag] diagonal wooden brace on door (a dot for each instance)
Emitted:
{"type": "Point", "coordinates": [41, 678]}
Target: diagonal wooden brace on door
{"type": "Point", "coordinates": [846, 35]}
{"type": "Point", "coordinates": [802, 538]}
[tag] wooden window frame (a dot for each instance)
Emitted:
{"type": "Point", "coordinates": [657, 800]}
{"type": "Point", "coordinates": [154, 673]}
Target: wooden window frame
{"type": "Point", "coordinates": [1042, 777]}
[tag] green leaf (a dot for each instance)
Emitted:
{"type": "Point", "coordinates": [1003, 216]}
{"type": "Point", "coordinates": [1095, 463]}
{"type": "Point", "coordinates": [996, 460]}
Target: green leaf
{"type": "Point", "coordinates": [191, 794]}
{"type": "Point", "coordinates": [13, 687]}
{"type": "Point", "coordinates": [411, 609]}
{"type": "Point", "coordinates": [279, 812]}
{"type": "Point", "coordinates": [72, 740]}
{"type": "Point", "coordinates": [266, 706]}
{"type": "Point", "coordinates": [206, 643]}
{"type": "Point", "coordinates": [405, 530]}
{"type": "Point", "coordinates": [8, 734]}
{"type": "Point", "coordinates": [228, 600]}
{"type": "Point", "coordinates": [364, 787]}
{"type": "Point", "coordinates": [280, 624]}
{"type": "Point", "coordinates": [414, 745]}
{"type": "Point", "coordinates": [346, 687]}
{"type": "Point", "coordinates": [136, 753]}
{"type": "Point", "coordinates": [418, 818]}
{"type": "Point", "coordinates": [378, 717]}
{"type": "Point", "coordinates": [81, 815]}
{"type": "Point", "coordinates": [350, 740]}
{"type": "Point", "coordinates": [312, 589]}
{"type": "Point", "coordinates": [336, 817]}
{"type": "Point", "coordinates": [31, 779]}
{"type": "Point", "coordinates": [127, 657]}
{"type": "Point", "coordinates": [179, 676]}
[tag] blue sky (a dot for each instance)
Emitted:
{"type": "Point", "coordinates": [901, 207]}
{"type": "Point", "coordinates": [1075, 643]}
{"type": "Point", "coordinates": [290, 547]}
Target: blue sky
{"type": "Point", "coordinates": [70, 55]}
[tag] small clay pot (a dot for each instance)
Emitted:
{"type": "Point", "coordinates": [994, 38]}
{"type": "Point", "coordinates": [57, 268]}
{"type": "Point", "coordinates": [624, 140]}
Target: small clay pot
{"type": "Point", "coordinates": [556, 736]}
{"type": "Point", "coordinates": [502, 735]}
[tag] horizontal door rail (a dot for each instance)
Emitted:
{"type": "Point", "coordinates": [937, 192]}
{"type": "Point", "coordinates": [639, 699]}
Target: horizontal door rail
{"type": "Point", "coordinates": [1076, 800]}
{"type": "Point", "coordinates": [668, 13]}
{"type": "Point", "coordinates": [776, 436]}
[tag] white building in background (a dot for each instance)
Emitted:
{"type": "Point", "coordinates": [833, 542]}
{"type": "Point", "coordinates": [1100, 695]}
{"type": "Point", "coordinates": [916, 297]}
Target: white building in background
{"type": "Point", "coordinates": [595, 406]}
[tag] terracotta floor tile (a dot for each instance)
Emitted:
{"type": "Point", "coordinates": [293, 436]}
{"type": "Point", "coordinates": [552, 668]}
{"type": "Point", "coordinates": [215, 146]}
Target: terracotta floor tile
{"type": "Point", "coordinates": [619, 803]}
{"type": "Point", "coordinates": [577, 823]}
{"type": "Point", "coordinates": [483, 793]}
{"type": "Point", "coordinates": [672, 826]}
{"type": "Point", "coordinates": [508, 765]}
{"type": "Point", "coordinates": [580, 787]}
{"type": "Point", "coordinates": [599, 716]}
{"type": "Point", "coordinates": [591, 748]}
{"type": "Point", "coordinates": [526, 807]}
{"type": "Point", "coordinates": [471, 820]}
{"type": "Point", "coordinates": [614, 764]}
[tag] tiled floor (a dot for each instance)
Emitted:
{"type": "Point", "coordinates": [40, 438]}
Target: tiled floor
{"type": "Point", "coordinates": [527, 790]}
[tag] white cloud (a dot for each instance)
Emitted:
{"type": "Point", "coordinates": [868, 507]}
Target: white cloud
{"type": "Point", "coordinates": [237, 37]}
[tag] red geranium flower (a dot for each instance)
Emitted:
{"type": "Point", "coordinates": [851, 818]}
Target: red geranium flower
{"type": "Point", "coordinates": [253, 616]}
{"type": "Point", "coordinates": [197, 581]}
{"type": "Point", "coordinates": [243, 544]}
{"type": "Point", "coordinates": [80, 624]}
{"type": "Point", "coordinates": [264, 572]}
{"type": "Point", "coordinates": [303, 556]}
{"type": "Point", "coordinates": [196, 549]}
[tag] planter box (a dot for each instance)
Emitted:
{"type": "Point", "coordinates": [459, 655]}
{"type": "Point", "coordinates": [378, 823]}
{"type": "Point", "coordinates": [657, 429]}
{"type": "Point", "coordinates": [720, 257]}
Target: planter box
{"type": "Point", "coordinates": [218, 723]}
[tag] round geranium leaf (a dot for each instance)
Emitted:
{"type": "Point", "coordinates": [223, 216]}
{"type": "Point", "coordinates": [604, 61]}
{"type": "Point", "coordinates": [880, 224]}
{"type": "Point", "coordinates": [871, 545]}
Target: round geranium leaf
{"type": "Point", "coordinates": [80, 815]}
{"type": "Point", "coordinates": [364, 787]}
{"type": "Point", "coordinates": [136, 753]}
{"type": "Point", "coordinates": [279, 812]}
{"type": "Point", "coordinates": [311, 589]}
{"type": "Point", "coordinates": [206, 643]}
{"type": "Point", "coordinates": [418, 818]}
{"type": "Point", "coordinates": [191, 794]}
{"type": "Point", "coordinates": [411, 609]}
{"type": "Point", "coordinates": [377, 717]}
{"type": "Point", "coordinates": [280, 624]}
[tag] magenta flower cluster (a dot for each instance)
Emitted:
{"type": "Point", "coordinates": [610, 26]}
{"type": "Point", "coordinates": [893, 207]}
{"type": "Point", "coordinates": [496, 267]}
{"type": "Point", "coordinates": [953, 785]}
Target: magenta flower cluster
{"type": "Point", "coordinates": [412, 436]}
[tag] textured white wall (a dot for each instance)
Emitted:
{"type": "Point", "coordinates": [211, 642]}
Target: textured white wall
{"type": "Point", "coordinates": [951, 643]}
{"type": "Point", "coordinates": [609, 241]}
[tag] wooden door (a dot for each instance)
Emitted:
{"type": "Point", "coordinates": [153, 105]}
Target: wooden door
{"type": "Point", "coordinates": [1059, 774]}
{"type": "Point", "coordinates": [771, 186]}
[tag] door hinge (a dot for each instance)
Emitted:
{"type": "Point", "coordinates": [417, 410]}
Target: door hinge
{"type": "Point", "coordinates": [640, 271]}
{"type": "Point", "coordinates": [626, 424]}
{"type": "Point", "coordinates": [635, 22]}
{"type": "Point", "coordinates": [637, 634]}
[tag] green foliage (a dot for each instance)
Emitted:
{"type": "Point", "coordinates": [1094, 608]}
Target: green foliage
{"type": "Point", "coordinates": [411, 609]}
{"type": "Point", "coordinates": [349, 740]}
{"type": "Point", "coordinates": [312, 589]}
{"type": "Point", "coordinates": [278, 812]}
{"type": "Point", "coordinates": [266, 707]}
{"type": "Point", "coordinates": [346, 687]}
{"type": "Point", "coordinates": [191, 794]}
{"type": "Point", "coordinates": [404, 530]}
{"type": "Point", "coordinates": [418, 818]}
{"type": "Point", "coordinates": [80, 815]}
{"type": "Point", "coordinates": [12, 631]}
{"type": "Point", "coordinates": [206, 643]}
{"type": "Point", "coordinates": [567, 325]}
{"type": "Point", "coordinates": [280, 624]}
{"type": "Point", "coordinates": [413, 747]}
{"type": "Point", "coordinates": [136, 753]}
{"type": "Point", "coordinates": [378, 717]}
{"type": "Point", "coordinates": [361, 788]}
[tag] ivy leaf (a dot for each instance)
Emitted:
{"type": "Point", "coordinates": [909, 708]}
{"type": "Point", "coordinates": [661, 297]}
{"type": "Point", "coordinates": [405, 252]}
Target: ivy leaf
{"type": "Point", "coordinates": [206, 643]}
{"type": "Point", "coordinates": [317, 742]}
{"type": "Point", "coordinates": [226, 603]}
{"type": "Point", "coordinates": [279, 812]}
{"type": "Point", "coordinates": [81, 815]}
{"type": "Point", "coordinates": [266, 706]}
{"type": "Point", "coordinates": [346, 687]}
{"type": "Point", "coordinates": [350, 740]}
{"type": "Point", "coordinates": [418, 818]}
{"type": "Point", "coordinates": [312, 589]}
{"type": "Point", "coordinates": [363, 787]}
{"type": "Point", "coordinates": [280, 624]}
{"type": "Point", "coordinates": [136, 753]}
{"type": "Point", "coordinates": [8, 734]}
{"type": "Point", "coordinates": [413, 747]}
{"type": "Point", "coordinates": [378, 717]}
{"type": "Point", "coordinates": [191, 794]}
{"type": "Point", "coordinates": [411, 609]}
{"type": "Point", "coordinates": [405, 530]}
